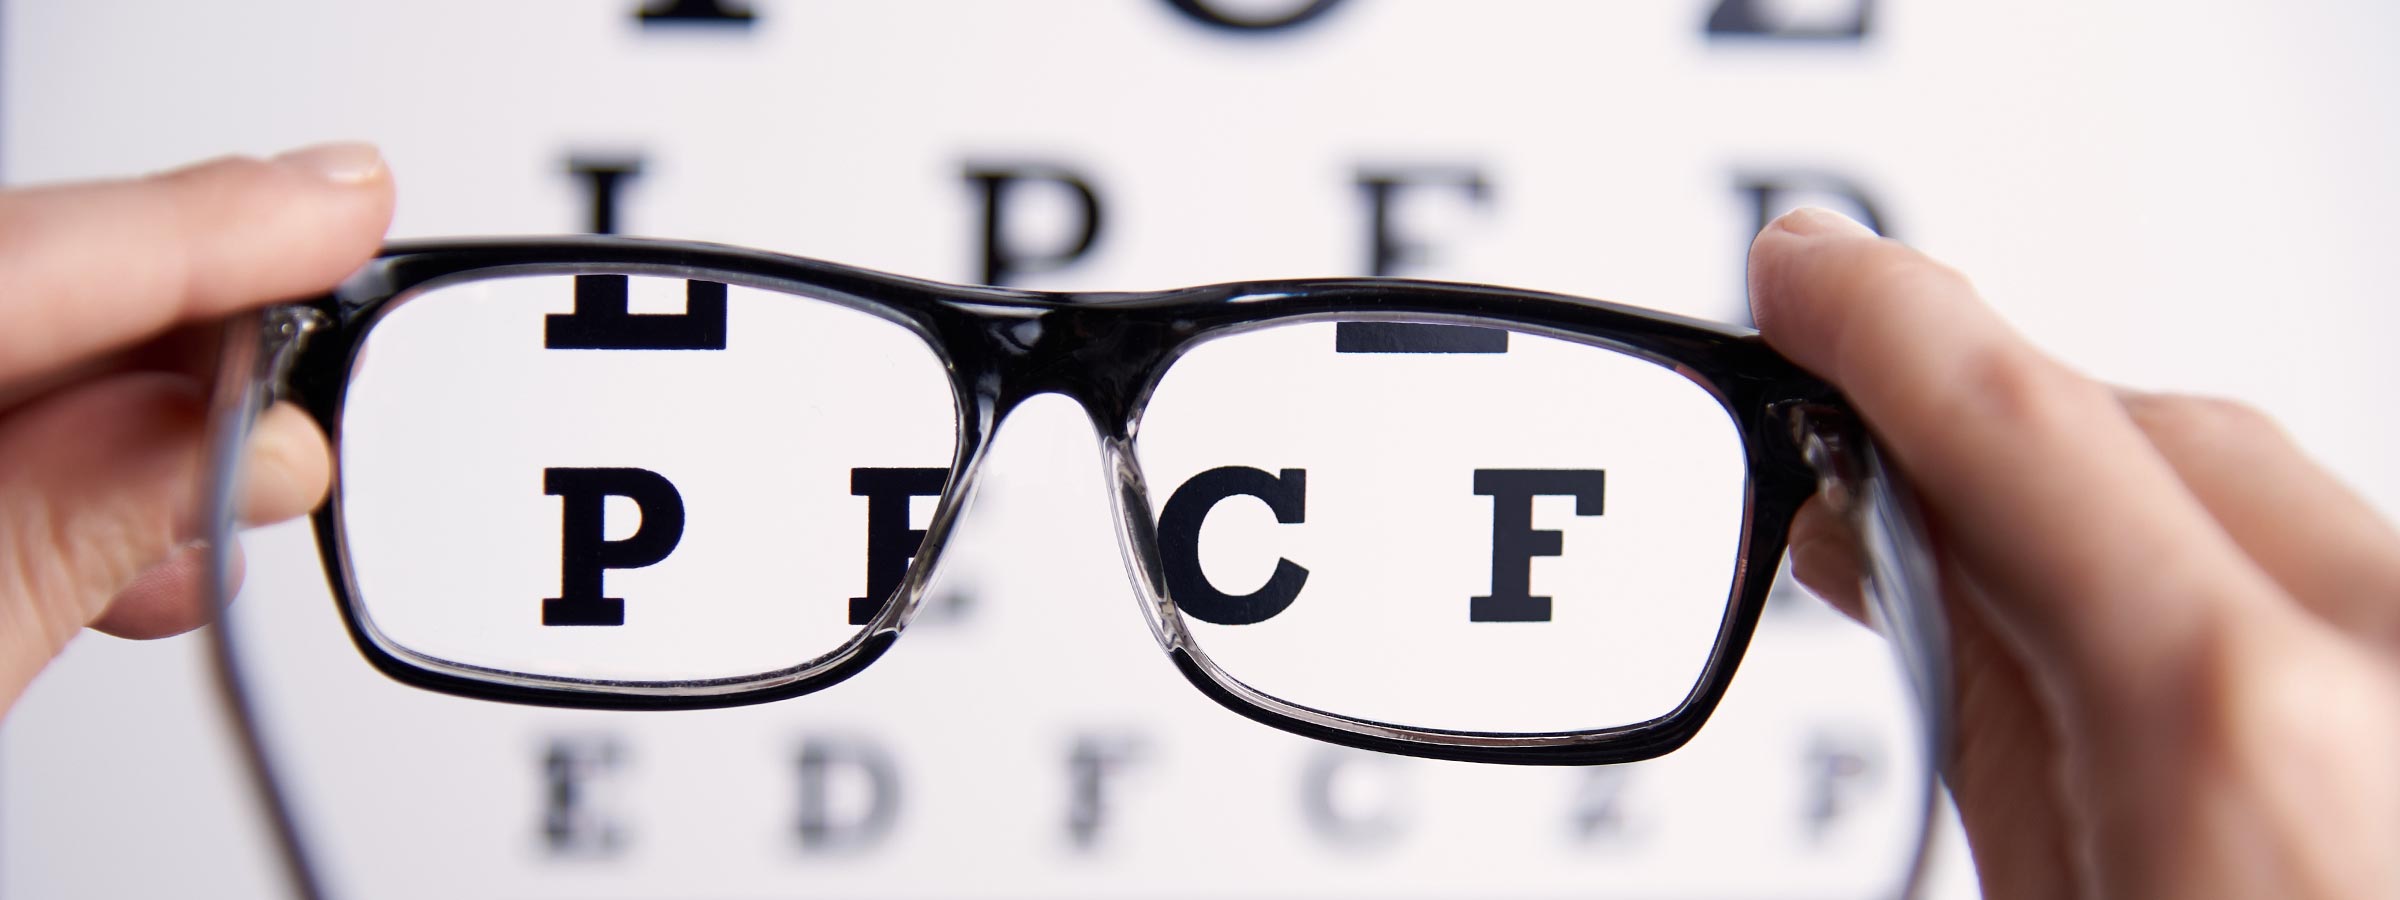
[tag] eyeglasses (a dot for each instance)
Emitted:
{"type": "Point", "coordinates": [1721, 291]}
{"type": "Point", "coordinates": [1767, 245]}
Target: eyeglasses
{"type": "Point", "coordinates": [1432, 519]}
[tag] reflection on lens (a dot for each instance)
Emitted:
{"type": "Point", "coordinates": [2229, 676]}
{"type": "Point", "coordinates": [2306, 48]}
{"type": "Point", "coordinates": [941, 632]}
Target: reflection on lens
{"type": "Point", "coordinates": [635, 479]}
{"type": "Point", "coordinates": [1446, 528]}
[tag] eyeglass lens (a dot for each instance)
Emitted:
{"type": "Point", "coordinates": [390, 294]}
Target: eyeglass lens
{"type": "Point", "coordinates": [630, 478]}
{"type": "Point", "coordinates": [1444, 527]}
{"type": "Point", "coordinates": [595, 477]}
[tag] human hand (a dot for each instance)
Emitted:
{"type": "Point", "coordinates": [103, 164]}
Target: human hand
{"type": "Point", "coordinates": [107, 292]}
{"type": "Point", "coordinates": [2175, 635]}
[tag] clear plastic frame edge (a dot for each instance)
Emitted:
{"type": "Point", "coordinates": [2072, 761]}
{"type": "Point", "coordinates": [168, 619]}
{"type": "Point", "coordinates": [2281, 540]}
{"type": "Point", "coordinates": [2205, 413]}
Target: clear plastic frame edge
{"type": "Point", "coordinates": [1106, 352]}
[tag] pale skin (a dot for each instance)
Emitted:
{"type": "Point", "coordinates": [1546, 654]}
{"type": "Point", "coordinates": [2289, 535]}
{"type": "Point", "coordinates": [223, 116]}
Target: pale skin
{"type": "Point", "coordinates": [2176, 635]}
{"type": "Point", "coordinates": [106, 290]}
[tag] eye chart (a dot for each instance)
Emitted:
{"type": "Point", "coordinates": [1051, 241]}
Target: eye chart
{"type": "Point", "coordinates": [2168, 198]}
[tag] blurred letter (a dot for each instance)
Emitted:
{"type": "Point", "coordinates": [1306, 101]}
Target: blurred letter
{"type": "Point", "coordinates": [1389, 251]}
{"type": "Point", "coordinates": [1771, 194]}
{"type": "Point", "coordinates": [1599, 813]}
{"type": "Point", "coordinates": [1003, 261]}
{"type": "Point", "coordinates": [1089, 765]}
{"type": "Point", "coordinates": [572, 823]}
{"type": "Point", "coordinates": [1839, 771]}
{"type": "Point", "coordinates": [605, 177]}
{"type": "Point", "coordinates": [858, 826]}
{"type": "Point", "coordinates": [1335, 813]}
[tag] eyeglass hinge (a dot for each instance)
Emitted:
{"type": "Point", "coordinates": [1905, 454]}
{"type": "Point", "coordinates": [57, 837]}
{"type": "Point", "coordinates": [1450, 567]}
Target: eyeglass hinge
{"type": "Point", "coordinates": [1827, 437]}
{"type": "Point", "coordinates": [284, 330]}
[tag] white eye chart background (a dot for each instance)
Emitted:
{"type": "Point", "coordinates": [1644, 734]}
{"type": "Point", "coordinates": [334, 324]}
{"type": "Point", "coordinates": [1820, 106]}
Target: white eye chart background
{"type": "Point", "coordinates": [2168, 196]}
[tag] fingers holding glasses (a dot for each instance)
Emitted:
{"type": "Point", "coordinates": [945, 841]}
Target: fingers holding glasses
{"type": "Point", "coordinates": [2149, 565]}
{"type": "Point", "coordinates": [102, 488]}
{"type": "Point", "coordinates": [2320, 541]}
{"type": "Point", "coordinates": [95, 267]}
{"type": "Point", "coordinates": [2007, 445]}
{"type": "Point", "coordinates": [285, 473]}
{"type": "Point", "coordinates": [104, 291]}
{"type": "Point", "coordinates": [1824, 554]}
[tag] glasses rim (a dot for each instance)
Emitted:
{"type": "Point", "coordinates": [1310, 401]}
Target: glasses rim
{"type": "Point", "coordinates": [1002, 346]}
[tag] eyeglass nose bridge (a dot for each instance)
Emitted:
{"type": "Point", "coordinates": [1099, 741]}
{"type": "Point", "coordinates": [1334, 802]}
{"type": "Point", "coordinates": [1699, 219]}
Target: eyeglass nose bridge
{"type": "Point", "coordinates": [1101, 351]}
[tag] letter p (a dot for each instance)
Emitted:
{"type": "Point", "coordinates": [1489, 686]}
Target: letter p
{"type": "Point", "coordinates": [585, 552]}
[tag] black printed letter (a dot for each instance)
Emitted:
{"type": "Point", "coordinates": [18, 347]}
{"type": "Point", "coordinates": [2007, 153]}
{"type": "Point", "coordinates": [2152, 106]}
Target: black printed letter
{"type": "Point", "coordinates": [606, 177]}
{"type": "Point", "coordinates": [1515, 542]}
{"type": "Point", "coordinates": [866, 822]}
{"type": "Point", "coordinates": [1388, 251]}
{"type": "Point", "coordinates": [1089, 765]}
{"type": "Point", "coordinates": [600, 320]}
{"type": "Point", "coordinates": [1206, 14]}
{"type": "Point", "coordinates": [890, 542]}
{"type": "Point", "coordinates": [1352, 828]}
{"type": "Point", "coordinates": [1840, 768]}
{"type": "Point", "coordinates": [1179, 542]}
{"type": "Point", "coordinates": [1599, 807]}
{"type": "Point", "coordinates": [585, 552]}
{"type": "Point", "coordinates": [573, 822]}
{"type": "Point", "coordinates": [1003, 263]}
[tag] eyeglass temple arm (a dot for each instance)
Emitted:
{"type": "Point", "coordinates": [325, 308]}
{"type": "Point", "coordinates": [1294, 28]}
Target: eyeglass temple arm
{"type": "Point", "coordinates": [1898, 578]}
{"type": "Point", "coordinates": [258, 351]}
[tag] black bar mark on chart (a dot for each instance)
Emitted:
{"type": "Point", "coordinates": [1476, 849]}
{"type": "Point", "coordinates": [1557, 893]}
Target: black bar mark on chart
{"type": "Point", "coordinates": [716, 13]}
{"type": "Point", "coordinates": [1416, 337]}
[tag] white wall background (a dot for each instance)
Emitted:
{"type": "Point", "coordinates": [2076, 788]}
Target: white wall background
{"type": "Point", "coordinates": [2173, 195]}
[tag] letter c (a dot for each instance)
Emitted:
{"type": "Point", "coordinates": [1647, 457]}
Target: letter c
{"type": "Point", "coordinates": [1179, 543]}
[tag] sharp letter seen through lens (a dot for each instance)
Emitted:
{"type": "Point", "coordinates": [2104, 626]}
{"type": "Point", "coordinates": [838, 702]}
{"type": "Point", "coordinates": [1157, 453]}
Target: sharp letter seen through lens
{"type": "Point", "coordinates": [585, 552]}
{"type": "Point", "coordinates": [601, 320]}
{"type": "Point", "coordinates": [891, 544]}
{"type": "Point", "coordinates": [1179, 543]}
{"type": "Point", "coordinates": [1515, 542]}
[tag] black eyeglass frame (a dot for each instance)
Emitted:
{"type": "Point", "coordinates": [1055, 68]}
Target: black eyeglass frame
{"type": "Point", "coordinates": [1107, 352]}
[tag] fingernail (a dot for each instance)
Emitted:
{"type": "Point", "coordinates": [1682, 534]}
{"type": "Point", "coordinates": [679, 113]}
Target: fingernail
{"type": "Point", "coordinates": [1817, 221]}
{"type": "Point", "coordinates": [343, 163]}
